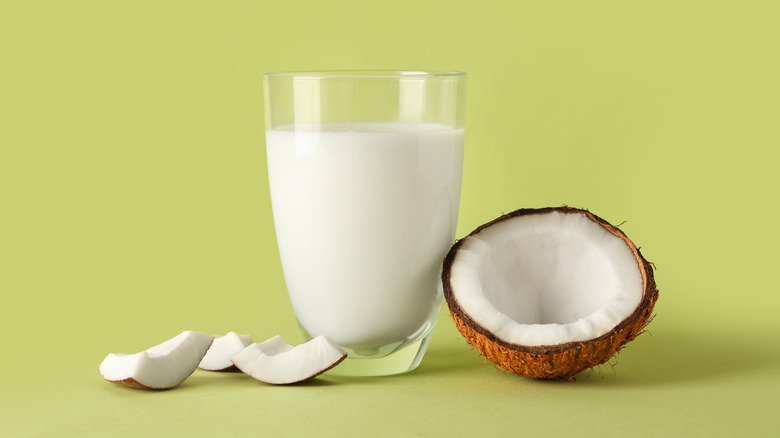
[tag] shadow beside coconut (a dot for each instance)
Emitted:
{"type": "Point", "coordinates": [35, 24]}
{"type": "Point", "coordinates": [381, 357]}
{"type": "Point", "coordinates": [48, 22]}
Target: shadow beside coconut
{"type": "Point", "coordinates": [679, 357]}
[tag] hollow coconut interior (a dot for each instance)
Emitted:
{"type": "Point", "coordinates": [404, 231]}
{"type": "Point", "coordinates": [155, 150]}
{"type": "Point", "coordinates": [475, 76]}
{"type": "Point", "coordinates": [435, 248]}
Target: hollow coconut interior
{"type": "Point", "coordinates": [546, 279]}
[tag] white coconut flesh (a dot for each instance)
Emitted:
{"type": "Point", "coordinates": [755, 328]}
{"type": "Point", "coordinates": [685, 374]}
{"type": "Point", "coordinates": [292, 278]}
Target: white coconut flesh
{"type": "Point", "coordinates": [223, 348]}
{"type": "Point", "coordinates": [546, 279]}
{"type": "Point", "coordinates": [162, 366]}
{"type": "Point", "coordinates": [277, 362]}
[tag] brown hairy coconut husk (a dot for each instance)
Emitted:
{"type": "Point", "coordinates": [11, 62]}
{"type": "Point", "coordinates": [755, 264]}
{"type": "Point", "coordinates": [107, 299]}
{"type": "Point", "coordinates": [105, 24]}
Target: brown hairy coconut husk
{"type": "Point", "coordinates": [550, 292]}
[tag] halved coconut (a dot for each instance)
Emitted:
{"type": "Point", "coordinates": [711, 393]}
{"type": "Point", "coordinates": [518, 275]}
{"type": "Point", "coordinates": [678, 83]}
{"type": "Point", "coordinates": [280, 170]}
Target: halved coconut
{"type": "Point", "coordinates": [223, 348]}
{"type": "Point", "coordinates": [548, 293]}
{"type": "Point", "coordinates": [277, 362]}
{"type": "Point", "coordinates": [160, 367]}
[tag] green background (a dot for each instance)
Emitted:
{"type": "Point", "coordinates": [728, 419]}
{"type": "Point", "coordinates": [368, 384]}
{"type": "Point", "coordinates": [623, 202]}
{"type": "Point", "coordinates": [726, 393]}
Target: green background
{"type": "Point", "coordinates": [134, 205]}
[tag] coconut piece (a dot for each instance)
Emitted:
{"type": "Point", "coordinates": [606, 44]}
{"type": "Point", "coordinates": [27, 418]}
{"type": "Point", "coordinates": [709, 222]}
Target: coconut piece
{"type": "Point", "coordinates": [223, 348]}
{"type": "Point", "coordinates": [548, 293]}
{"type": "Point", "coordinates": [162, 366]}
{"type": "Point", "coordinates": [277, 362]}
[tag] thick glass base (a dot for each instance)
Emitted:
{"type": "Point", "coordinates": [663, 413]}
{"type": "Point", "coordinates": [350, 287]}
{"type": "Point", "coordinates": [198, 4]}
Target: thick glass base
{"type": "Point", "coordinates": [404, 359]}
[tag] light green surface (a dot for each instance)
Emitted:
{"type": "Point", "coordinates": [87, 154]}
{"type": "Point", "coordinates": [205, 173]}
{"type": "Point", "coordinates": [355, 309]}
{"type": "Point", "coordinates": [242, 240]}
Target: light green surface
{"type": "Point", "coordinates": [134, 205]}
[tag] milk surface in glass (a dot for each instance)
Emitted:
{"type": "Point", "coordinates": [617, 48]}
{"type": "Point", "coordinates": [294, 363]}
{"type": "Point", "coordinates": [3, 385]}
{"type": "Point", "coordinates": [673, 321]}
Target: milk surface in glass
{"type": "Point", "coordinates": [364, 214]}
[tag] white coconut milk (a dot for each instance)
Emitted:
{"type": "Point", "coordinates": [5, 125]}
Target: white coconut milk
{"type": "Point", "coordinates": [364, 214]}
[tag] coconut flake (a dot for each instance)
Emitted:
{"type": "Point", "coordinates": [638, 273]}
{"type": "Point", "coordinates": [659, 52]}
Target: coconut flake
{"type": "Point", "coordinates": [162, 366]}
{"type": "Point", "coordinates": [223, 348]}
{"type": "Point", "coordinates": [275, 361]}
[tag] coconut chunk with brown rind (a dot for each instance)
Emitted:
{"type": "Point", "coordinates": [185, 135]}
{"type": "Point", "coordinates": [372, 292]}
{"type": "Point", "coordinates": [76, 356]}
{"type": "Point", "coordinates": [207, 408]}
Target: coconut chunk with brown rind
{"type": "Point", "coordinates": [223, 348]}
{"type": "Point", "coordinates": [160, 367]}
{"type": "Point", "coordinates": [277, 362]}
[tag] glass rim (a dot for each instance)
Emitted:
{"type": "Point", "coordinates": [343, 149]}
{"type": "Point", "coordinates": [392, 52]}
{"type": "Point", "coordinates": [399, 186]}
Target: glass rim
{"type": "Point", "coordinates": [365, 74]}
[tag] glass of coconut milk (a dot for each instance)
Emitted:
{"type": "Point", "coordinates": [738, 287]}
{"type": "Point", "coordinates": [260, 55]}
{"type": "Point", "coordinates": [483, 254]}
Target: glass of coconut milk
{"type": "Point", "coordinates": [365, 174]}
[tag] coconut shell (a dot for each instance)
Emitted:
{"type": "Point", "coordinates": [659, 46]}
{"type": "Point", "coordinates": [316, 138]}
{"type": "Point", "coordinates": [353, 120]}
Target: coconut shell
{"type": "Point", "coordinates": [132, 383]}
{"type": "Point", "coordinates": [561, 361]}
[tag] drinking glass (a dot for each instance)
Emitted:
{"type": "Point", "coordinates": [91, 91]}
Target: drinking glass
{"type": "Point", "coordinates": [365, 174]}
